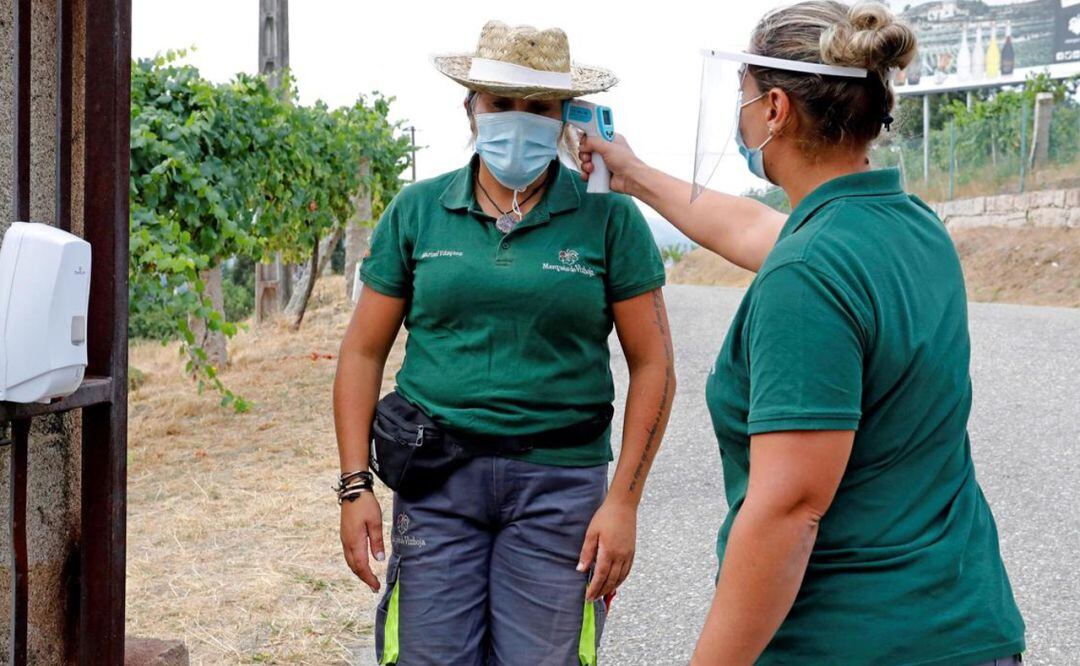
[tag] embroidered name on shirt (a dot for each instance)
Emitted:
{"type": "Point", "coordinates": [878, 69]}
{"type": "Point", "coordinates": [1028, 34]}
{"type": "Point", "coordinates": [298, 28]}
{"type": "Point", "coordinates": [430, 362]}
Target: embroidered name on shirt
{"type": "Point", "coordinates": [441, 253]}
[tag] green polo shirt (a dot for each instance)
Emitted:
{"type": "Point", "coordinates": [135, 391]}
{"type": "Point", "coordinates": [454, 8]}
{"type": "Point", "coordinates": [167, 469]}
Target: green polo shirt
{"type": "Point", "coordinates": [858, 321]}
{"type": "Point", "coordinates": [508, 334]}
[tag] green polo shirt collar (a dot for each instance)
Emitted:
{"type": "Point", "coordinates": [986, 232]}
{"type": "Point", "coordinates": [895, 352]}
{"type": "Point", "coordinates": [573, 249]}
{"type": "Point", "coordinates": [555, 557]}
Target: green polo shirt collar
{"type": "Point", "coordinates": [876, 182]}
{"type": "Point", "coordinates": [561, 197]}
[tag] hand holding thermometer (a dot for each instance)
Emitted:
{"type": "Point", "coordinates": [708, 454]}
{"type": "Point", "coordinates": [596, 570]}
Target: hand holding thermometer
{"type": "Point", "coordinates": [593, 120]}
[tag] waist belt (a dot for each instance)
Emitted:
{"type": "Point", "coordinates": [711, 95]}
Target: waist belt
{"type": "Point", "coordinates": [413, 455]}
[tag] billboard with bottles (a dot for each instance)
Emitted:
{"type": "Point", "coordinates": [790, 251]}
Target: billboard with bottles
{"type": "Point", "coordinates": [965, 44]}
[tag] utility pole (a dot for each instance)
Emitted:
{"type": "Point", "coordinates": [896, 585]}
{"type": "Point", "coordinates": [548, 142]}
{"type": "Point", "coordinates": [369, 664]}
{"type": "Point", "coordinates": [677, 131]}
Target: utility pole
{"type": "Point", "coordinates": [273, 281]}
{"type": "Point", "coordinates": [273, 39]}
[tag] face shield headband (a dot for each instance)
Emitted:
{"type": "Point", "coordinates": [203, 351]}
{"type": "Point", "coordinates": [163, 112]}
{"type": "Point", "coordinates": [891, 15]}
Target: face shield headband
{"type": "Point", "coordinates": [720, 100]}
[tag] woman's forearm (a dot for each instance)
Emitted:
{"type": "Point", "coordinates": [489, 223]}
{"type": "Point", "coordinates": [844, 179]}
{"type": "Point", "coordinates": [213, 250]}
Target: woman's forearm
{"type": "Point", "coordinates": [740, 229]}
{"type": "Point", "coordinates": [764, 564]}
{"type": "Point", "coordinates": [357, 386]}
{"type": "Point", "coordinates": [648, 405]}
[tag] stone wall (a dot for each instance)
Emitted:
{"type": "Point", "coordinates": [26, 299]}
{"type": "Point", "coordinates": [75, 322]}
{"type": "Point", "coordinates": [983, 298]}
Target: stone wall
{"type": "Point", "coordinates": [53, 486]}
{"type": "Point", "coordinates": [1048, 208]}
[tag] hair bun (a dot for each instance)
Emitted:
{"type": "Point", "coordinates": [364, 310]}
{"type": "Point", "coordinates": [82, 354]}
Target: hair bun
{"type": "Point", "coordinates": [871, 38]}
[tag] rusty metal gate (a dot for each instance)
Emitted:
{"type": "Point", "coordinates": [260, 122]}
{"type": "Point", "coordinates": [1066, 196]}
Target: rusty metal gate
{"type": "Point", "coordinates": [103, 394]}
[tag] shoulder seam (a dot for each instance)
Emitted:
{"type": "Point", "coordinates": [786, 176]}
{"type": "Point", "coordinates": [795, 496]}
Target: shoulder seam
{"type": "Point", "coordinates": [855, 301]}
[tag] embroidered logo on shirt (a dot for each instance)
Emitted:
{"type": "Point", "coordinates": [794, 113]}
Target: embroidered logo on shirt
{"type": "Point", "coordinates": [568, 263]}
{"type": "Point", "coordinates": [432, 254]}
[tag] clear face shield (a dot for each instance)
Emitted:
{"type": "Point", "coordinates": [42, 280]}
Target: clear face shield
{"type": "Point", "coordinates": [721, 99]}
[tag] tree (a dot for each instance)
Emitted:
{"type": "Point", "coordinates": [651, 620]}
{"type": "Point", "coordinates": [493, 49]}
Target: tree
{"type": "Point", "coordinates": [235, 169]}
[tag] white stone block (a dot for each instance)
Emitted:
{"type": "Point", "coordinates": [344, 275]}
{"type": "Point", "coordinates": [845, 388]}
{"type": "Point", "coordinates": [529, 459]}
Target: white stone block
{"type": "Point", "coordinates": [1048, 217]}
{"type": "Point", "coordinates": [972, 206]}
{"type": "Point", "coordinates": [1045, 199]}
{"type": "Point", "coordinates": [1002, 203]}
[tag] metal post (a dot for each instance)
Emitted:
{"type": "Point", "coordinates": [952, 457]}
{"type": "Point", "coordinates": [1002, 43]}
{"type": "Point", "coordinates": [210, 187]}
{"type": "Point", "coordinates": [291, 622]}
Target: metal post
{"type": "Point", "coordinates": [412, 132]}
{"type": "Point", "coordinates": [903, 168]}
{"type": "Point", "coordinates": [952, 158]}
{"type": "Point", "coordinates": [19, 559]}
{"type": "Point", "coordinates": [21, 121]}
{"type": "Point", "coordinates": [104, 426]}
{"type": "Point", "coordinates": [63, 114]}
{"type": "Point", "coordinates": [1023, 144]}
{"type": "Point", "coordinates": [926, 137]}
{"type": "Point", "coordinates": [20, 428]}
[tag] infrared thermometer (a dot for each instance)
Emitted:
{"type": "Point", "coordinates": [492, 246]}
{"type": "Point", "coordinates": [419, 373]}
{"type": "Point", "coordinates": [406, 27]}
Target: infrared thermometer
{"type": "Point", "coordinates": [593, 120]}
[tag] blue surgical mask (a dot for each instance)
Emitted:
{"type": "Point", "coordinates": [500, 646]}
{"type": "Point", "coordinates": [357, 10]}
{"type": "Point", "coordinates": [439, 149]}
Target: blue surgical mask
{"type": "Point", "coordinates": [516, 145]}
{"type": "Point", "coordinates": [755, 159]}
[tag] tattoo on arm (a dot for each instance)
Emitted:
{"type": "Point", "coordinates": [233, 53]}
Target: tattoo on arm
{"type": "Point", "coordinates": [654, 429]}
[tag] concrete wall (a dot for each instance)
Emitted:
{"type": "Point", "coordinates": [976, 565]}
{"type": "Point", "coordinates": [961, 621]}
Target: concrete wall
{"type": "Point", "coordinates": [1048, 208]}
{"type": "Point", "coordinates": [53, 492]}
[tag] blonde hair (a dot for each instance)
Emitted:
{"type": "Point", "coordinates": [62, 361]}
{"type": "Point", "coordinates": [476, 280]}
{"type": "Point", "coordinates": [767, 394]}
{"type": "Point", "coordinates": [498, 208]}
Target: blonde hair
{"type": "Point", "coordinates": [835, 112]}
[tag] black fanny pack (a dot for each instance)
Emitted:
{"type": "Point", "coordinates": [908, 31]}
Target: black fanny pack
{"type": "Point", "coordinates": [413, 455]}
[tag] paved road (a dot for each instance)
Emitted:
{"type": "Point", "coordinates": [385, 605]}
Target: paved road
{"type": "Point", "coordinates": [1026, 443]}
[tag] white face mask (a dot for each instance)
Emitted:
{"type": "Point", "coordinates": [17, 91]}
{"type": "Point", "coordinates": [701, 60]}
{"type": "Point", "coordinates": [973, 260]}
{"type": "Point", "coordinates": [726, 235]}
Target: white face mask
{"type": "Point", "coordinates": [755, 158]}
{"type": "Point", "coordinates": [516, 145]}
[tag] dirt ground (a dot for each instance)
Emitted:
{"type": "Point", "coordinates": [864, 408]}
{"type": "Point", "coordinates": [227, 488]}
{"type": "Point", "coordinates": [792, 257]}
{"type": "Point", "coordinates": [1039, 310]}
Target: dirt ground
{"type": "Point", "coordinates": [1030, 266]}
{"type": "Point", "coordinates": [233, 542]}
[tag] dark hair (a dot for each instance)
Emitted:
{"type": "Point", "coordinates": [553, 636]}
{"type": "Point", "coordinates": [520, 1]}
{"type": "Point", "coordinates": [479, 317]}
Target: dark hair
{"type": "Point", "coordinates": [835, 112]}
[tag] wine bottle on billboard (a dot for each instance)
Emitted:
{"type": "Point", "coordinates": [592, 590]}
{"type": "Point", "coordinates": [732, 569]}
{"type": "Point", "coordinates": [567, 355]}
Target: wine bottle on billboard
{"type": "Point", "coordinates": [963, 58]}
{"type": "Point", "coordinates": [914, 71]}
{"type": "Point", "coordinates": [993, 55]}
{"type": "Point", "coordinates": [978, 64]}
{"type": "Point", "coordinates": [1008, 54]}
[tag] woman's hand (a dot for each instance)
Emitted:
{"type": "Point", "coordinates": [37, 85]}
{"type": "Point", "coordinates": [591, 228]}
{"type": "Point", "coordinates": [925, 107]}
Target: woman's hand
{"type": "Point", "coordinates": [739, 229]}
{"type": "Point", "coordinates": [611, 541]}
{"type": "Point", "coordinates": [361, 526]}
{"type": "Point", "coordinates": [618, 156]}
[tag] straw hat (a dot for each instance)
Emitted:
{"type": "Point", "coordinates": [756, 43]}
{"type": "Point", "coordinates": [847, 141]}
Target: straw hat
{"type": "Point", "coordinates": [521, 61]}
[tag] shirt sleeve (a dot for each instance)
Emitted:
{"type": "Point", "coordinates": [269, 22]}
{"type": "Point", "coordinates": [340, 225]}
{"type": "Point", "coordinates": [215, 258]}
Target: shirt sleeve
{"type": "Point", "coordinates": [634, 266]}
{"type": "Point", "coordinates": [805, 345]}
{"type": "Point", "coordinates": [387, 268]}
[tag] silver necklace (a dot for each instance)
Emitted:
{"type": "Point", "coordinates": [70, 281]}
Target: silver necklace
{"type": "Point", "coordinates": [508, 220]}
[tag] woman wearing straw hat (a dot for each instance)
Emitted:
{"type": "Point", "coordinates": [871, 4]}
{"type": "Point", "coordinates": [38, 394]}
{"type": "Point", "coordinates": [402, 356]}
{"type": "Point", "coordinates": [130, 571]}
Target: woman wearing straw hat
{"type": "Point", "coordinates": [857, 532]}
{"type": "Point", "coordinates": [509, 278]}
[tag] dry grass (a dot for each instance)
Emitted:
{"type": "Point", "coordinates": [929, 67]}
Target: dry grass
{"type": "Point", "coordinates": [1031, 266]}
{"type": "Point", "coordinates": [988, 182]}
{"type": "Point", "coordinates": [703, 267]}
{"type": "Point", "coordinates": [233, 542]}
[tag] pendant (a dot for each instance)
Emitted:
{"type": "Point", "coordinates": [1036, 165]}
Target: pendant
{"type": "Point", "coordinates": [506, 223]}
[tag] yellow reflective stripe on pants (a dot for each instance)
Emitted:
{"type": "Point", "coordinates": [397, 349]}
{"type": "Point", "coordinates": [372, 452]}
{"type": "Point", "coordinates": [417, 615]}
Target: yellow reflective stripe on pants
{"type": "Point", "coordinates": [391, 647]}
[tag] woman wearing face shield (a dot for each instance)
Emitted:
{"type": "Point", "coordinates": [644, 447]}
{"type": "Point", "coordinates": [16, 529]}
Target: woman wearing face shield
{"type": "Point", "coordinates": [857, 532]}
{"type": "Point", "coordinates": [509, 278]}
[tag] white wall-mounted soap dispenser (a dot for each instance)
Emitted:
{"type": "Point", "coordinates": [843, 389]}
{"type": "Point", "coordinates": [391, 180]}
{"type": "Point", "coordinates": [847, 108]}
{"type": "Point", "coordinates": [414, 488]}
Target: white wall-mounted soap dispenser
{"type": "Point", "coordinates": [44, 294]}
